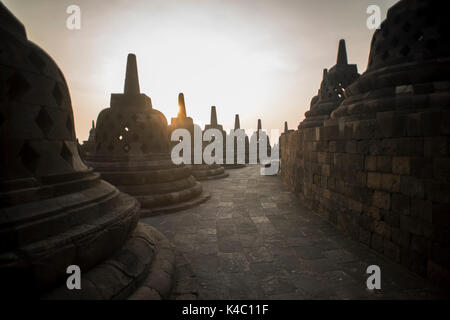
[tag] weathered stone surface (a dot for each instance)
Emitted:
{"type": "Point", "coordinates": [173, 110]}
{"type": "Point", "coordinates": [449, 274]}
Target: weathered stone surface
{"type": "Point", "coordinates": [289, 252]}
{"type": "Point", "coordinates": [54, 211]}
{"type": "Point", "coordinates": [139, 271]}
{"type": "Point", "coordinates": [388, 144]}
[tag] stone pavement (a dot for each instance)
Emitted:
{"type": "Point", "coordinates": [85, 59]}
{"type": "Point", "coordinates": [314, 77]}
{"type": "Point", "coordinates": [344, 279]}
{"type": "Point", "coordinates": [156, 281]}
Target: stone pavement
{"type": "Point", "coordinates": [254, 240]}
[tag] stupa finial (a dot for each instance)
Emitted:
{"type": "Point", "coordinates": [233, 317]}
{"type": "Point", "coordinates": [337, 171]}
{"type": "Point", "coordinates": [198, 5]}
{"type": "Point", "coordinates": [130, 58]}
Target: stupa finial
{"type": "Point", "coordinates": [182, 106]}
{"type": "Point", "coordinates": [342, 53]}
{"type": "Point", "coordinates": [213, 116]}
{"type": "Point", "coordinates": [237, 122]}
{"type": "Point", "coordinates": [131, 77]}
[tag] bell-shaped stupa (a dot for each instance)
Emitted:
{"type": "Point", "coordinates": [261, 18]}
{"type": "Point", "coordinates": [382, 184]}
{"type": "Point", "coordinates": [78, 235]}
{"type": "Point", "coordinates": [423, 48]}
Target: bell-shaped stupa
{"type": "Point", "coordinates": [56, 215]}
{"type": "Point", "coordinates": [132, 152]}
{"type": "Point", "coordinates": [400, 108]}
{"type": "Point", "coordinates": [332, 89]}
{"type": "Point", "coordinates": [200, 169]}
{"type": "Point", "coordinates": [408, 61]}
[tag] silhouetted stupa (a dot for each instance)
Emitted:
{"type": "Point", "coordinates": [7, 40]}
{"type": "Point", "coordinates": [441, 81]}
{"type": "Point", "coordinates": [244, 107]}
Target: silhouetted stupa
{"type": "Point", "coordinates": [332, 89]}
{"type": "Point", "coordinates": [132, 152]}
{"type": "Point", "coordinates": [55, 211]}
{"type": "Point", "coordinates": [201, 171]}
{"type": "Point", "coordinates": [88, 147]}
{"type": "Point", "coordinates": [379, 167]}
{"type": "Point", "coordinates": [401, 104]}
{"type": "Point", "coordinates": [215, 125]}
{"type": "Point", "coordinates": [259, 138]}
{"type": "Point", "coordinates": [239, 138]}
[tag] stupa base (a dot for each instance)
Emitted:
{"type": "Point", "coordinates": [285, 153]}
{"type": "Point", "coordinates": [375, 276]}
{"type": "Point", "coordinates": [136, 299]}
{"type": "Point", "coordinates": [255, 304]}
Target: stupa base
{"type": "Point", "coordinates": [203, 172]}
{"type": "Point", "coordinates": [148, 212]}
{"type": "Point", "coordinates": [234, 166]}
{"type": "Point", "coordinates": [143, 269]}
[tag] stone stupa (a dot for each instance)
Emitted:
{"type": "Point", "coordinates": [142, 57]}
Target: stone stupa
{"type": "Point", "coordinates": [286, 131]}
{"type": "Point", "coordinates": [88, 146]}
{"type": "Point", "coordinates": [286, 128]}
{"type": "Point", "coordinates": [201, 171]}
{"type": "Point", "coordinates": [332, 89]}
{"type": "Point", "coordinates": [400, 106]}
{"type": "Point", "coordinates": [259, 137]}
{"type": "Point", "coordinates": [239, 138]}
{"type": "Point", "coordinates": [215, 125]}
{"type": "Point", "coordinates": [55, 211]}
{"type": "Point", "coordinates": [132, 152]}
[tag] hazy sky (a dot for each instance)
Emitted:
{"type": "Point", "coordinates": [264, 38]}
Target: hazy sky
{"type": "Point", "coordinates": [259, 58]}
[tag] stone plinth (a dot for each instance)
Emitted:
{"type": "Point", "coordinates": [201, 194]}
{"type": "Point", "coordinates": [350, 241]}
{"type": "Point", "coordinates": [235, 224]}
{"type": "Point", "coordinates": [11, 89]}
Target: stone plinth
{"type": "Point", "coordinates": [54, 211]}
{"type": "Point", "coordinates": [132, 152]}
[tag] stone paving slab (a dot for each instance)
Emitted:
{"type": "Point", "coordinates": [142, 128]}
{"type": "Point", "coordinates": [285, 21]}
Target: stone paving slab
{"type": "Point", "coordinates": [254, 240]}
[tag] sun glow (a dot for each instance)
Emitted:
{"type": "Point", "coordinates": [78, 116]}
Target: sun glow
{"type": "Point", "coordinates": [210, 67]}
{"type": "Point", "coordinates": [261, 59]}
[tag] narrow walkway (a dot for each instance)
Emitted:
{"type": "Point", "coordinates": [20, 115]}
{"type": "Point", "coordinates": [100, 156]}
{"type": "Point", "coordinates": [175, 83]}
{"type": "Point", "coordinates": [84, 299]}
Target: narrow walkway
{"type": "Point", "coordinates": [254, 240]}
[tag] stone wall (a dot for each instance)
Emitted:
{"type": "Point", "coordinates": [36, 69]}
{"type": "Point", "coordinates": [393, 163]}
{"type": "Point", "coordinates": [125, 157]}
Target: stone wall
{"type": "Point", "coordinates": [384, 181]}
